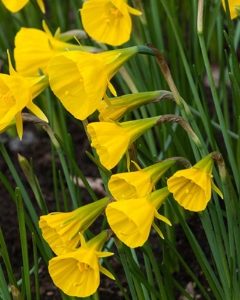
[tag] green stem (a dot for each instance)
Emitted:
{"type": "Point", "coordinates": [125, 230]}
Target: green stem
{"type": "Point", "coordinates": [188, 73]}
{"type": "Point", "coordinates": [219, 111]}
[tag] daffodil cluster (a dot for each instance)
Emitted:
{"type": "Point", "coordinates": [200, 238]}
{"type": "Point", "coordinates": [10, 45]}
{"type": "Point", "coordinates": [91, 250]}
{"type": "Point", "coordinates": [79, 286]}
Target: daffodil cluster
{"type": "Point", "coordinates": [76, 268]}
{"type": "Point", "coordinates": [80, 78]}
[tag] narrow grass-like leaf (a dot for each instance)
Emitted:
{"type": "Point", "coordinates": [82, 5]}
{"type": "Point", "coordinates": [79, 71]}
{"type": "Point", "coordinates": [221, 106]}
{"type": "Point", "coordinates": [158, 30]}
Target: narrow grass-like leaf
{"type": "Point", "coordinates": [24, 244]}
{"type": "Point", "coordinates": [4, 292]}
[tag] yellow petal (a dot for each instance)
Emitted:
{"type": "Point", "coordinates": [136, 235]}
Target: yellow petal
{"type": "Point", "coordinates": [112, 89]}
{"type": "Point", "coordinates": [162, 218]}
{"type": "Point", "coordinates": [134, 11]}
{"type": "Point", "coordinates": [104, 254]}
{"type": "Point", "coordinates": [159, 232]}
{"type": "Point", "coordinates": [107, 273]}
{"type": "Point", "coordinates": [10, 66]}
{"type": "Point", "coordinates": [37, 112]}
{"type": "Point", "coordinates": [19, 124]}
{"type": "Point", "coordinates": [217, 190]}
{"type": "Point", "coordinates": [82, 240]}
{"type": "Point", "coordinates": [46, 28]}
{"type": "Point", "coordinates": [41, 5]}
{"type": "Point", "coordinates": [128, 160]}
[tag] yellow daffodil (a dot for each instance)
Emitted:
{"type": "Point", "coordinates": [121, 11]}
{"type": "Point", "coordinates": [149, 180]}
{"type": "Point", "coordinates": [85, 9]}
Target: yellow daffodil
{"type": "Point", "coordinates": [77, 273]}
{"type": "Point", "coordinates": [191, 187]}
{"type": "Point", "coordinates": [139, 183]}
{"type": "Point", "coordinates": [34, 48]}
{"type": "Point", "coordinates": [111, 140]}
{"type": "Point", "coordinates": [113, 109]}
{"type": "Point", "coordinates": [61, 230]}
{"type": "Point", "coordinates": [80, 79]}
{"type": "Point", "coordinates": [16, 93]}
{"type": "Point", "coordinates": [234, 7]}
{"type": "Point", "coordinates": [131, 219]}
{"type": "Point", "coordinates": [108, 21]}
{"type": "Point", "coordinates": [16, 5]}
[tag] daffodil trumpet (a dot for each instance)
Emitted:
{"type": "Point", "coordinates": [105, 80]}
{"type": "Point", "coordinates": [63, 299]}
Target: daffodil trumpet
{"type": "Point", "coordinates": [34, 48]}
{"type": "Point", "coordinates": [77, 273]}
{"type": "Point", "coordinates": [131, 219]}
{"type": "Point", "coordinates": [192, 187]}
{"type": "Point", "coordinates": [139, 183]}
{"type": "Point", "coordinates": [61, 230]}
{"type": "Point", "coordinates": [108, 21]}
{"type": "Point", "coordinates": [80, 79]}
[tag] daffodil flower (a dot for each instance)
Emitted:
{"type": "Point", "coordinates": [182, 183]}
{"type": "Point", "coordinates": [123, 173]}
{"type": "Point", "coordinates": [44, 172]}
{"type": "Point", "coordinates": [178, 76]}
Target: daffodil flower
{"type": "Point", "coordinates": [137, 184]}
{"type": "Point", "coordinates": [108, 21]}
{"type": "Point", "coordinates": [112, 140]}
{"type": "Point", "coordinates": [16, 93]}
{"type": "Point", "coordinates": [131, 219]}
{"type": "Point", "coordinates": [192, 187]}
{"type": "Point", "coordinates": [77, 273]}
{"type": "Point", "coordinates": [61, 230]}
{"type": "Point", "coordinates": [80, 79]}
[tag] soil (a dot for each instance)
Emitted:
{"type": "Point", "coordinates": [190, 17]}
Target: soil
{"type": "Point", "coordinates": [36, 146]}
